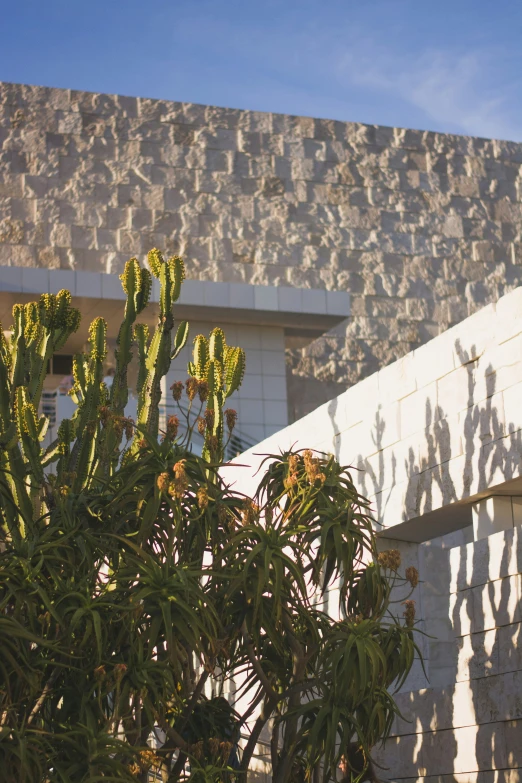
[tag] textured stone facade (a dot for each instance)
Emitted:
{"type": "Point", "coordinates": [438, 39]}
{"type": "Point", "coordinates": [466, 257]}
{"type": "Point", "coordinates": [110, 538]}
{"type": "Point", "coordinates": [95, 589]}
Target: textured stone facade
{"type": "Point", "coordinates": [422, 228]}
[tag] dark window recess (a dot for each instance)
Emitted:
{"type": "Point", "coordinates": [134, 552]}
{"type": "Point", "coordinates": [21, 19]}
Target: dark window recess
{"type": "Point", "coordinates": [61, 364]}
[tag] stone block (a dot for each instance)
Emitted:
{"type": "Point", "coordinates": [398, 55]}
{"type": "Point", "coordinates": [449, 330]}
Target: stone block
{"type": "Point", "coordinates": [35, 281]}
{"type": "Point", "coordinates": [492, 515]}
{"type": "Point", "coordinates": [273, 363]}
{"type": "Point", "coordinates": [89, 284]}
{"type": "Point", "coordinates": [274, 386]}
{"type": "Point", "coordinates": [510, 647]}
{"type": "Point", "coordinates": [400, 757]}
{"type": "Point", "coordinates": [476, 335]}
{"type": "Point", "coordinates": [418, 411]}
{"type": "Point", "coordinates": [464, 750]}
{"type": "Point", "coordinates": [483, 423]}
{"type": "Point", "coordinates": [455, 390]}
{"type": "Point", "coordinates": [61, 279]}
{"type": "Point", "coordinates": [252, 387]}
{"type": "Point", "coordinates": [434, 568]}
{"type": "Point", "coordinates": [393, 464]}
{"type": "Point", "coordinates": [111, 288]}
{"type": "Point", "coordinates": [251, 410]}
{"type": "Point", "coordinates": [352, 445]}
{"type": "Point", "coordinates": [10, 279]}
{"type": "Point", "coordinates": [265, 298]}
{"type": "Point", "coordinates": [434, 360]}
{"type": "Point", "coordinates": [397, 380]}
{"type": "Point", "coordinates": [461, 613]}
{"type": "Point", "coordinates": [512, 410]}
{"type": "Point", "coordinates": [440, 442]}
{"type": "Point", "coordinates": [513, 737]}
{"type": "Point", "coordinates": [249, 337]}
{"type": "Point", "coordinates": [496, 603]}
{"type": "Point", "coordinates": [290, 299]}
{"type": "Point", "coordinates": [272, 338]}
{"type": "Point", "coordinates": [216, 294]}
{"type": "Point", "coordinates": [314, 301]}
{"type": "Point", "coordinates": [275, 412]}
{"type": "Point", "coordinates": [358, 403]}
{"type": "Point", "coordinates": [397, 504]}
{"type": "Point", "coordinates": [478, 655]}
{"type": "Point", "coordinates": [503, 364]}
{"type": "Point", "coordinates": [338, 303]}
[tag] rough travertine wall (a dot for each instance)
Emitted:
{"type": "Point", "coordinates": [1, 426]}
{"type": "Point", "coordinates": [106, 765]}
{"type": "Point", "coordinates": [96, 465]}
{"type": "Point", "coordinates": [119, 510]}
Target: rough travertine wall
{"type": "Point", "coordinates": [422, 228]}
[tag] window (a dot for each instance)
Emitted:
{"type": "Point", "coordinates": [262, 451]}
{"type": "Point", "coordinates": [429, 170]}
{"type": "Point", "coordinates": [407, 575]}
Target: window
{"type": "Point", "coordinates": [61, 364]}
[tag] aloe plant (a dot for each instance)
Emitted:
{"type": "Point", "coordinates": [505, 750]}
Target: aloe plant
{"type": "Point", "coordinates": [136, 586]}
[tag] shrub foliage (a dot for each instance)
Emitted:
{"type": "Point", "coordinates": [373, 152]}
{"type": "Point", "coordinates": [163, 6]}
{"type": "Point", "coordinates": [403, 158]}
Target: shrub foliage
{"type": "Point", "coordinates": [155, 624]}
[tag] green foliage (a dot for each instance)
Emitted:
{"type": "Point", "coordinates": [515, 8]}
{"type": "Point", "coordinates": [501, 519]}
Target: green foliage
{"type": "Point", "coordinates": [136, 586]}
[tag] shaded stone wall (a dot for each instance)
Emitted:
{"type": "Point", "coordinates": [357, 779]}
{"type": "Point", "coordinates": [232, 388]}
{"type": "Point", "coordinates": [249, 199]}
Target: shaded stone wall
{"type": "Point", "coordinates": [465, 723]}
{"type": "Point", "coordinates": [422, 228]}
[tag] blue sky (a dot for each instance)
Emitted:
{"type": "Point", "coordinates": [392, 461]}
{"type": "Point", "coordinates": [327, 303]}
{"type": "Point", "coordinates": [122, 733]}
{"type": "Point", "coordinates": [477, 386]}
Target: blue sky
{"type": "Point", "coordinates": [453, 66]}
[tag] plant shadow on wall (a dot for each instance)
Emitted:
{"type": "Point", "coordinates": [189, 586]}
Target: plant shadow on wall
{"type": "Point", "coordinates": [468, 717]}
{"type": "Point", "coordinates": [137, 588]}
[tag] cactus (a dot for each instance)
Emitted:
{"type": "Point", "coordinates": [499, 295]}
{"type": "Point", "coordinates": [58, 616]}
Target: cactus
{"type": "Point", "coordinates": [90, 393]}
{"type": "Point", "coordinates": [87, 450]}
{"type": "Point", "coordinates": [222, 367]}
{"type": "Point", "coordinates": [136, 283]}
{"type": "Point", "coordinates": [39, 329]}
{"type": "Point", "coordinates": [170, 274]}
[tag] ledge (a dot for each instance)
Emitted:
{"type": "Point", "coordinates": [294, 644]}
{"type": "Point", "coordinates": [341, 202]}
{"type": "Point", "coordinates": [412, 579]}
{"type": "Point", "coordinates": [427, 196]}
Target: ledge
{"type": "Point", "coordinates": [313, 309]}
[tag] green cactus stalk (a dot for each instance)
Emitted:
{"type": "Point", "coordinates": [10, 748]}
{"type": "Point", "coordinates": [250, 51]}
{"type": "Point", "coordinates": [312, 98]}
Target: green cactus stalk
{"type": "Point", "coordinates": [55, 321]}
{"type": "Point", "coordinates": [222, 367]}
{"type": "Point", "coordinates": [39, 329]}
{"type": "Point", "coordinates": [141, 335]}
{"type": "Point", "coordinates": [91, 394]}
{"type": "Point", "coordinates": [87, 449]}
{"type": "Point", "coordinates": [170, 274]}
{"type": "Point", "coordinates": [137, 284]}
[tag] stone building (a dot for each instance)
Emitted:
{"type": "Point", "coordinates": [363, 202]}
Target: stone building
{"type": "Point", "coordinates": [349, 247]}
{"type": "Point", "coordinates": [437, 439]}
{"type": "Point", "coordinates": [420, 228]}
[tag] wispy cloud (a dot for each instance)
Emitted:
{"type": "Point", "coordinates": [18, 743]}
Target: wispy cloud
{"type": "Point", "coordinates": [450, 88]}
{"type": "Point", "coordinates": [348, 68]}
